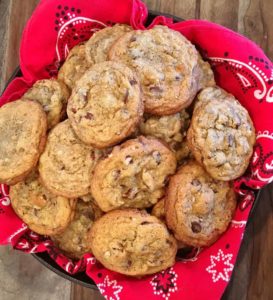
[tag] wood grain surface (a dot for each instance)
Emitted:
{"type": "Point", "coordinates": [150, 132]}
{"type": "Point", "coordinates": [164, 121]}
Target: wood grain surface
{"type": "Point", "coordinates": [253, 274]}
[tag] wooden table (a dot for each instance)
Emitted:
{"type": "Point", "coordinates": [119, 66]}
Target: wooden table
{"type": "Point", "coordinates": [253, 275]}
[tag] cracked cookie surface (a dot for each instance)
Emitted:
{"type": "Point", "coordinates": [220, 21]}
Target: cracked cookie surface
{"type": "Point", "coordinates": [221, 135]}
{"type": "Point", "coordinates": [42, 211]}
{"type": "Point", "coordinates": [165, 62]}
{"type": "Point", "coordinates": [74, 66]}
{"type": "Point", "coordinates": [66, 165]}
{"type": "Point", "coordinates": [106, 106]}
{"type": "Point", "coordinates": [133, 175]}
{"type": "Point", "coordinates": [198, 208]}
{"type": "Point", "coordinates": [53, 96]}
{"type": "Point", "coordinates": [73, 241]}
{"type": "Point", "coordinates": [132, 242]}
{"type": "Point", "coordinates": [99, 44]}
{"type": "Point", "coordinates": [23, 129]}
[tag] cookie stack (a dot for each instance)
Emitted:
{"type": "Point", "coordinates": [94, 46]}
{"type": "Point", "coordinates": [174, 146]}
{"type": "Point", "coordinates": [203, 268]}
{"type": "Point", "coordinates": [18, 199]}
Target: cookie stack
{"type": "Point", "coordinates": [129, 154]}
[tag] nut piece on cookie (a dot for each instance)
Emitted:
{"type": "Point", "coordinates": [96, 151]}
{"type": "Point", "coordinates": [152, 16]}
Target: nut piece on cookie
{"type": "Point", "coordinates": [221, 135]}
{"type": "Point", "coordinates": [132, 242]}
{"type": "Point", "coordinates": [198, 208]}
{"type": "Point", "coordinates": [66, 165]}
{"type": "Point", "coordinates": [166, 63]}
{"type": "Point", "coordinates": [133, 175]}
{"type": "Point", "coordinates": [73, 241]}
{"type": "Point", "coordinates": [74, 66]}
{"type": "Point", "coordinates": [42, 211]}
{"type": "Point", "coordinates": [53, 96]}
{"type": "Point", "coordinates": [99, 44]}
{"type": "Point", "coordinates": [105, 106]}
{"type": "Point", "coordinates": [23, 129]}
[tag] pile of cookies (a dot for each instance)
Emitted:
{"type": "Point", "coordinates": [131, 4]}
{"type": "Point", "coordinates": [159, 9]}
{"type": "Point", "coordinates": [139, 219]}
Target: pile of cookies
{"type": "Point", "coordinates": [129, 154]}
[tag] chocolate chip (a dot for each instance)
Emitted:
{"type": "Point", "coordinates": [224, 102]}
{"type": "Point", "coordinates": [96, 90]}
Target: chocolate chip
{"type": "Point", "coordinates": [145, 223]}
{"type": "Point", "coordinates": [156, 89]}
{"type": "Point", "coordinates": [130, 194]}
{"type": "Point", "coordinates": [196, 182]}
{"type": "Point", "coordinates": [89, 116]}
{"type": "Point", "coordinates": [73, 110]}
{"type": "Point", "coordinates": [126, 96]}
{"type": "Point", "coordinates": [230, 140]}
{"type": "Point", "coordinates": [196, 227]}
{"type": "Point", "coordinates": [132, 39]}
{"type": "Point", "coordinates": [157, 156]}
{"type": "Point", "coordinates": [178, 77]}
{"type": "Point", "coordinates": [116, 174]}
{"type": "Point", "coordinates": [133, 82]}
{"type": "Point", "coordinates": [128, 160]}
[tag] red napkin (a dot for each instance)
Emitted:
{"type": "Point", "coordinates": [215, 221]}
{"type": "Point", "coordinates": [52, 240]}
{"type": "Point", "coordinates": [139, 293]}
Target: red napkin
{"type": "Point", "coordinates": [240, 67]}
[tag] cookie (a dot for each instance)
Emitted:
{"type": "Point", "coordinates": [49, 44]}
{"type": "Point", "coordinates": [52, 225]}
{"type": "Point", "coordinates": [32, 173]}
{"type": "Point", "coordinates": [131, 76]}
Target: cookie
{"type": "Point", "coordinates": [171, 129]}
{"type": "Point", "coordinates": [73, 241]}
{"type": "Point", "coordinates": [106, 105]}
{"type": "Point", "coordinates": [23, 129]}
{"type": "Point", "coordinates": [158, 210]}
{"type": "Point", "coordinates": [42, 211]}
{"type": "Point", "coordinates": [74, 66]}
{"type": "Point", "coordinates": [206, 76]}
{"type": "Point", "coordinates": [221, 135]}
{"type": "Point", "coordinates": [198, 208]}
{"type": "Point", "coordinates": [132, 242]}
{"type": "Point", "coordinates": [66, 165]}
{"type": "Point", "coordinates": [165, 61]}
{"type": "Point", "coordinates": [99, 44]}
{"type": "Point", "coordinates": [133, 175]}
{"type": "Point", "coordinates": [53, 96]}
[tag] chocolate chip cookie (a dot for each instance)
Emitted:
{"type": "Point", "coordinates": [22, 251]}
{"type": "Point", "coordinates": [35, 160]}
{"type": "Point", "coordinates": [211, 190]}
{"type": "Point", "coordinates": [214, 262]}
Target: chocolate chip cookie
{"type": "Point", "coordinates": [73, 241]}
{"type": "Point", "coordinates": [53, 96]}
{"type": "Point", "coordinates": [66, 165]}
{"type": "Point", "coordinates": [42, 211]}
{"type": "Point", "coordinates": [221, 135]}
{"type": "Point", "coordinates": [74, 66]}
{"type": "Point", "coordinates": [106, 105]}
{"type": "Point", "coordinates": [132, 242]}
{"type": "Point", "coordinates": [23, 129]}
{"type": "Point", "coordinates": [198, 208]}
{"type": "Point", "coordinates": [133, 175]}
{"type": "Point", "coordinates": [171, 129]}
{"type": "Point", "coordinates": [98, 46]}
{"type": "Point", "coordinates": [166, 63]}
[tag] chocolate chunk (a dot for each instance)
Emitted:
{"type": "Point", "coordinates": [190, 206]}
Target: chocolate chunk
{"type": "Point", "coordinates": [73, 110]}
{"type": "Point", "coordinates": [145, 223]}
{"type": "Point", "coordinates": [157, 157]}
{"type": "Point", "coordinates": [196, 182]}
{"type": "Point", "coordinates": [178, 77]}
{"type": "Point", "coordinates": [89, 116]}
{"type": "Point", "coordinates": [128, 160]}
{"type": "Point", "coordinates": [133, 82]}
{"type": "Point", "coordinates": [230, 140]}
{"type": "Point", "coordinates": [196, 227]}
{"type": "Point", "coordinates": [126, 96]}
{"type": "Point", "coordinates": [156, 89]}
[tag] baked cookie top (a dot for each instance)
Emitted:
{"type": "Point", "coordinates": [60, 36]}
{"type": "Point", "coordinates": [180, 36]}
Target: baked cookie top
{"type": "Point", "coordinates": [73, 241]}
{"type": "Point", "coordinates": [132, 242]}
{"type": "Point", "coordinates": [133, 175]}
{"type": "Point", "coordinates": [221, 135]}
{"type": "Point", "coordinates": [198, 208]}
{"type": "Point", "coordinates": [206, 76]}
{"type": "Point", "coordinates": [99, 44]}
{"type": "Point", "coordinates": [74, 66]}
{"type": "Point", "coordinates": [42, 211]}
{"type": "Point", "coordinates": [66, 165]}
{"type": "Point", "coordinates": [164, 60]}
{"type": "Point", "coordinates": [53, 96]}
{"type": "Point", "coordinates": [106, 106]}
{"type": "Point", "coordinates": [23, 129]}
